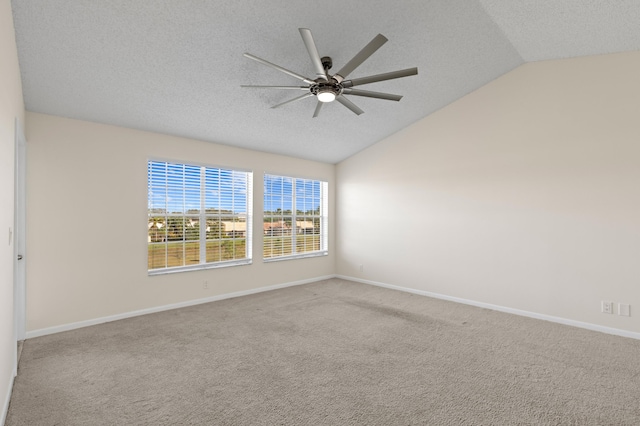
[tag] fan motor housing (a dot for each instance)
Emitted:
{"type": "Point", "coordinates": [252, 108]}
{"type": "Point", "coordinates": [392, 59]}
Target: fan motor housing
{"type": "Point", "coordinates": [326, 86]}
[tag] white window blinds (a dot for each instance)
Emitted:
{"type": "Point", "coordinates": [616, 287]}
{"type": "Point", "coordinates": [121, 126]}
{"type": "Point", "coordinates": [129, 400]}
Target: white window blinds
{"type": "Point", "coordinates": [198, 217]}
{"type": "Point", "coordinates": [295, 217]}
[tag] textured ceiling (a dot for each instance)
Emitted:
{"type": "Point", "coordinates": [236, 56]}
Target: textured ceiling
{"type": "Point", "coordinates": [176, 67]}
{"type": "Point", "coordinates": [554, 29]}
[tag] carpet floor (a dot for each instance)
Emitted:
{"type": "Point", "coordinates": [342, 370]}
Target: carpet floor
{"type": "Point", "coordinates": [328, 353]}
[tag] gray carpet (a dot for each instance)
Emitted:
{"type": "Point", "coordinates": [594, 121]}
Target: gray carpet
{"type": "Point", "coordinates": [329, 353]}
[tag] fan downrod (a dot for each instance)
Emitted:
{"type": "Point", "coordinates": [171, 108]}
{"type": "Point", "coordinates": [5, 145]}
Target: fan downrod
{"type": "Point", "coordinates": [327, 62]}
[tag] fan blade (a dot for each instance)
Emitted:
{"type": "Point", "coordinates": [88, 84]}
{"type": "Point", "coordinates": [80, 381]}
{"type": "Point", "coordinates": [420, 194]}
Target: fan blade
{"type": "Point", "coordinates": [362, 56]}
{"type": "Point", "coordinates": [346, 102]}
{"type": "Point", "coordinates": [279, 68]}
{"type": "Point", "coordinates": [369, 94]}
{"type": "Point", "coordinates": [277, 87]}
{"type": "Point", "coordinates": [299, 98]}
{"type": "Point", "coordinates": [313, 53]}
{"type": "Point", "coordinates": [380, 77]}
{"type": "Point", "coordinates": [318, 108]}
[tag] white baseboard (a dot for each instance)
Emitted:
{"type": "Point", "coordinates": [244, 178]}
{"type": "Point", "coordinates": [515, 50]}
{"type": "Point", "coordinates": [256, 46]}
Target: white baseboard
{"type": "Point", "coordinates": [7, 399]}
{"type": "Point", "coordinates": [559, 320]}
{"type": "Point", "coordinates": [95, 321]}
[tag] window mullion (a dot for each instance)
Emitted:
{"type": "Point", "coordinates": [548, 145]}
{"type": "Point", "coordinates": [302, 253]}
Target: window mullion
{"type": "Point", "coordinates": [166, 216]}
{"type": "Point", "coordinates": [184, 214]}
{"type": "Point", "coordinates": [203, 216]}
{"type": "Point", "coordinates": [294, 228]}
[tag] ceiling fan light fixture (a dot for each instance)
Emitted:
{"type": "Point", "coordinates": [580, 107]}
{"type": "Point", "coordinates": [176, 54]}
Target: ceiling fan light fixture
{"type": "Point", "coordinates": [327, 87]}
{"type": "Point", "coordinates": [326, 96]}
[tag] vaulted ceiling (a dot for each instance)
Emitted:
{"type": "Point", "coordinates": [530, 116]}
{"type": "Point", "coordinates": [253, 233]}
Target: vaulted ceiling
{"type": "Point", "coordinates": [176, 67]}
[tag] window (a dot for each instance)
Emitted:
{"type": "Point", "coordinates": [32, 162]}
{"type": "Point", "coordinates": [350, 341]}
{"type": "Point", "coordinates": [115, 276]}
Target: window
{"type": "Point", "coordinates": [295, 217]}
{"type": "Point", "coordinates": [198, 217]}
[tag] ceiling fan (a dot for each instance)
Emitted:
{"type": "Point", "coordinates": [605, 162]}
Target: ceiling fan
{"type": "Point", "coordinates": [329, 87]}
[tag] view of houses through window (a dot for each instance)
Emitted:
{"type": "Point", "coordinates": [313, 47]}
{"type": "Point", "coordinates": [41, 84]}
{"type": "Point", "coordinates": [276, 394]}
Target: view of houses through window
{"type": "Point", "coordinates": [295, 217]}
{"type": "Point", "coordinates": [200, 217]}
{"type": "Point", "coordinates": [197, 216]}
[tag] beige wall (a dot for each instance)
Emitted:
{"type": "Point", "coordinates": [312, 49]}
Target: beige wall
{"type": "Point", "coordinates": [11, 107]}
{"type": "Point", "coordinates": [86, 216]}
{"type": "Point", "coordinates": [524, 194]}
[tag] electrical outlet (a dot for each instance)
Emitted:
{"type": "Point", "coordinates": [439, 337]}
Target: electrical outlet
{"type": "Point", "coordinates": [624, 309]}
{"type": "Point", "coordinates": [205, 284]}
{"type": "Point", "coordinates": [361, 267]}
{"type": "Point", "coordinates": [607, 307]}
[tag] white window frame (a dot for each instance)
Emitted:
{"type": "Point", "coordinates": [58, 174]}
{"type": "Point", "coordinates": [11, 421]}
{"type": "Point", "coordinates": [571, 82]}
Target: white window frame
{"type": "Point", "coordinates": [202, 218]}
{"type": "Point", "coordinates": [324, 219]}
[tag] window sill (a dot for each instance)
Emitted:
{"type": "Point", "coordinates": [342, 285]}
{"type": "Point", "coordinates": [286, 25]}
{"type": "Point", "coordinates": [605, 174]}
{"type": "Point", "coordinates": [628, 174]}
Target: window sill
{"type": "Point", "coordinates": [296, 256]}
{"type": "Point", "coordinates": [178, 269]}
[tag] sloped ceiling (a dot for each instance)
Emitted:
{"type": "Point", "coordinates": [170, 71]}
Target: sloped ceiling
{"type": "Point", "coordinates": [176, 67]}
